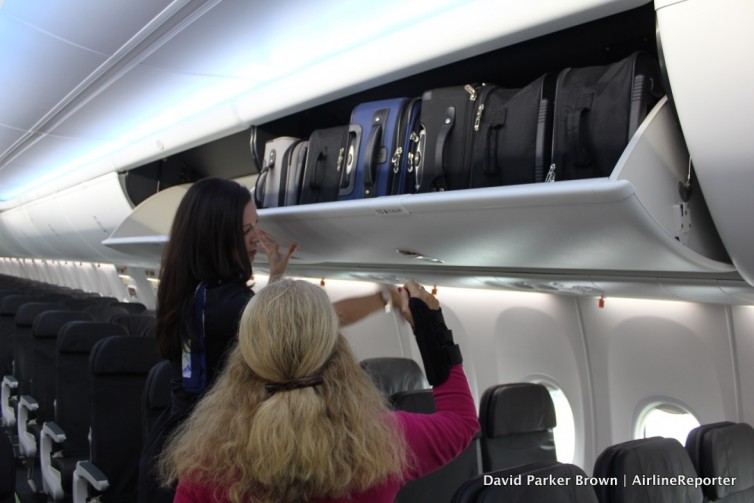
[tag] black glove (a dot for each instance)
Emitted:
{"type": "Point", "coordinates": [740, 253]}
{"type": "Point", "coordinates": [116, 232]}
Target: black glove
{"type": "Point", "coordinates": [435, 341]}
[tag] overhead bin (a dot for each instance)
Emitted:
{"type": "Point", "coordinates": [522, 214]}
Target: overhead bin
{"type": "Point", "coordinates": [634, 221]}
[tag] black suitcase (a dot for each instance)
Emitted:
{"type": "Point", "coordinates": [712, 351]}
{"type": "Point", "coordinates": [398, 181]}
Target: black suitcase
{"type": "Point", "coordinates": [512, 134]}
{"type": "Point", "coordinates": [325, 163]}
{"type": "Point", "coordinates": [295, 173]}
{"type": "Point", "coordinates": [597, 111]}
{"type": "Point", "coordinates": [405, 158]}
{"type": "Point", "coordinates": [447, 116]}
{"type": "Point", "coordinates": [269, 190]}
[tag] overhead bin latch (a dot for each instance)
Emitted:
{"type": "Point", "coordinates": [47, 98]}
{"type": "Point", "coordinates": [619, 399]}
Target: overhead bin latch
{"type": "Point", "coordinates": [682, 222]}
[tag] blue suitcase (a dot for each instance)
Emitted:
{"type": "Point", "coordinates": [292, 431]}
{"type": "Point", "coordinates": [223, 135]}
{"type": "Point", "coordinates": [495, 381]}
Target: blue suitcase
{"type": "Point", "coordinates": [379, 133]}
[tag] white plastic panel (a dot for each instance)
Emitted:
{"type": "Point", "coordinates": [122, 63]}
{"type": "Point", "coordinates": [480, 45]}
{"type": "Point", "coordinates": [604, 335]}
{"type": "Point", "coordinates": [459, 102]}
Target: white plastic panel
{"type": "Point", "coordinates": [707, 46]}
{"type": "Point", "coordinates": [70, 224]}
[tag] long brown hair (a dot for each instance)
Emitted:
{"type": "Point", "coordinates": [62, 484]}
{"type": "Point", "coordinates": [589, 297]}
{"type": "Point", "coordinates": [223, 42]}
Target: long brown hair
{"type": "Point", "coordinates": [330, 440]}
{"type": "Point", "coordinates": [206, 244]}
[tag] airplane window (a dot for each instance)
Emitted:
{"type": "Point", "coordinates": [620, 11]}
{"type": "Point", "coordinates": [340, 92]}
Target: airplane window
{"type": "Point", "coordinates": [666, 420]}
{"type": "Point", "coordinates": [565, 431]}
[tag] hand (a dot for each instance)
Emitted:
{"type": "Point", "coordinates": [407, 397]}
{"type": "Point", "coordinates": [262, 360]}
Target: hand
{"type": "Point", "coordinates": [278, 261]}
{"type": "Point", "coordinates": [413, 289]}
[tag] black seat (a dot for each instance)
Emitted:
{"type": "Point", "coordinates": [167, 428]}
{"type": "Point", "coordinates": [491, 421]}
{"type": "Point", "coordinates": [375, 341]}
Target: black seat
{"type": "Point", "coordinates": [540, 482]}
{"type": "Point", "coordinates": [516, 421]}
{"type": "Point", "coordinates": [137, 324]}
{"type": "Point", "coordinates": [723, 453]}
{"type": "Point", "coordinates": [8, 307]}
{"type": "Point", "coordinates": [104, 312]}
{"type": "Point", "coordinates": [157, 393]}
{"type": "Point", "coordinates": [118, 371]}
{"type": "Point", "coordinates": [81, 303]}
{"type": "Point", "coordinates": [131, 307]}
{"type": "Point", "coordinates": [394, 374]}
{"type": "Point", "coordinates": [439, 485]}
{"type": "Point", "coordinates": [644, 471]}
{"type": "Point", "coordinates": [42, 358]}
{"type": "Point", "coordinates": [73, 397]}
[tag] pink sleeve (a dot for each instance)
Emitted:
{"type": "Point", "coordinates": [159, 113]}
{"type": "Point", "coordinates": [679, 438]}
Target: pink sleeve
{"type": "Point", "coordinates": [436, 439]}
{"type": "Point", "coordinates": [188, 493]}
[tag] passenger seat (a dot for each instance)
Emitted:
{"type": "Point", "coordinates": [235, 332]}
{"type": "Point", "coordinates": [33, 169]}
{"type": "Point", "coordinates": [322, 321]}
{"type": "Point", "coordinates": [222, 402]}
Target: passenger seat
{"type": "Point", "coordinates": [647, 470]}
{"type": "Point", "coordinates": [516, 421]}
{"type": "Point", "coordinates": [724, 453]}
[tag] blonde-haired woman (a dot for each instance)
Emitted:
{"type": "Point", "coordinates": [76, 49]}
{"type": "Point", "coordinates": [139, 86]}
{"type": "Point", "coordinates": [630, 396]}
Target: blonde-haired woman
{"type": "Point", "coordinates": [293, 417]}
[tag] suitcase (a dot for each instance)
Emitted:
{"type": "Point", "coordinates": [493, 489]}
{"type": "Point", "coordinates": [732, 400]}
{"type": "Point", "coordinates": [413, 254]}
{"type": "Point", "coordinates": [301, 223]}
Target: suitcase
{"type": "Point", "coordinates": [447, 116]}
{"type": "Point", "coordinates": [404, 159]}
{"type": "Point", "coordinates": [269, 189]}
{"type": "Point", "coordinates": [512, 134]}
{"type": "Point", "coordinates": [325, 162]}
{"type": "Point", "coordinates": [597, 111]}
{"type": "Point", "coordinates": [295, 173]}
{"type": "Point", "coordinates": [381, 134]}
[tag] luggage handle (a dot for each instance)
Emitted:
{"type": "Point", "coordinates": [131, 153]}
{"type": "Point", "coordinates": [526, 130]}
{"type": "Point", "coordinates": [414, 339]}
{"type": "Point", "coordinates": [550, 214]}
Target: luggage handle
{"type": "Point", "coordinates": [259, 188]}
{"type": "Point", "coordinates": [575, 136]}
{"type": "Point", "coordinates": [372, 149]}
{"type": "Point", "coordinates": [313, 184]}
{"type": "Point", "coordinates": [442, 137]}
{"type": "Point", "coordinates": [490, 166]}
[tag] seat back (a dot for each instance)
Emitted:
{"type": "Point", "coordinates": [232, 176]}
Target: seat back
{"type": "Point", "coordinates": [516, 422]}
{"type": "Point", "coordinates": [22, 353]}
{"type": "Point", "coordinates": [131, 307]}
{"type": "Point", "coordinates": [44, 335]}
{"type": "Point", "coordinates": [439, 485]}
{"type": "Point", "coordinates": [540, 482]}
{"type": "Point", "coordinates": [81, 303]}
{"type": "Point", "coordinates": [394, 374]}
{"type": "Point", "coordinates": [104, 312]}
{"type": "Point", "coordinates": [136, 324]}
{"type": "Point", "coordinates": [648, 466]}
{"type": "Point", "coordinates": [118, 368]}
{"type": "Point", "coordinates": [723, 454]}
{"type": "Point", "coordinates": [72, 388]}
{"type": "Point", "coordinates": [8, 307]}
{"type": "Point", "coordinates": [157, 393]}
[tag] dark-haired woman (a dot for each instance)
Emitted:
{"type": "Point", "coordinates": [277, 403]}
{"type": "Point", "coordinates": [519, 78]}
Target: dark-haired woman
{"type": "Point", "coordinates": [203, 290]}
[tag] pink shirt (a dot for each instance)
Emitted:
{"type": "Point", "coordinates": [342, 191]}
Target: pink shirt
{"type": "Point", "coordinates": [435, 439]}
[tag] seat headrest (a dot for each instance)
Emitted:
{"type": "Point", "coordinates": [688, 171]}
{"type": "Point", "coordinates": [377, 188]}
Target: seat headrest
{"type": "Point", "coordinates": [49, 323]}
{"type": "Point", "coordinates": [136, 324]}
{"type": "Point", "coordinates": [124, 356]}
{"type": "Point", "coordinates": [516, 408]}
{"type": "Point", "coordinates": [80, 336]}
{"type": "Point", "coordinates": [728, 451]}
{"type": "Point", "coordinates": [392, 375]}
{"type": "Point", "coordinates": [644, 464]}
{"type": "Point", "coordinates": [27, 312]}
{"type": "Point", "coordinates": [104, 312]}
{"type": "Point", "coordinates": [10, 303]}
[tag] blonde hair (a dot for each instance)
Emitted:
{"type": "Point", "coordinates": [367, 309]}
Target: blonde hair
{"type": "Point", "coordinates": [326, 441]}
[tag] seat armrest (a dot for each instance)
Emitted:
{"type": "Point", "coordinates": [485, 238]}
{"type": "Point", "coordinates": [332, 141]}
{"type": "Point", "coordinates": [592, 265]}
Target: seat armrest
{"type": "Point", "coordinates": [51, 478]}
{"type": "Point", "coordinates": [26, 441]}
{"type": "Point", "coordinates": [85, 474]}
{"type": "Point", "coordinates": [52, 430]}
{"type": "Point", "coordinates": [9, 384]}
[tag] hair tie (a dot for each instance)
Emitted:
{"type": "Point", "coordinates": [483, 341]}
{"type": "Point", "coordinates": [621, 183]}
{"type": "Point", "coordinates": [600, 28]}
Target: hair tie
{"type": "Point", "coordinates": [301, 382]}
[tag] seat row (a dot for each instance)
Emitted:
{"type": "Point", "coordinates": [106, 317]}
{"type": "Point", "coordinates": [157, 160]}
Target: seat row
{"type": "Point", "coordinates": [514, 458]}
{"type": "Point", "coordinates": [71, 379]}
